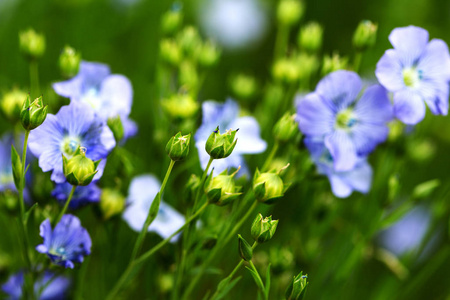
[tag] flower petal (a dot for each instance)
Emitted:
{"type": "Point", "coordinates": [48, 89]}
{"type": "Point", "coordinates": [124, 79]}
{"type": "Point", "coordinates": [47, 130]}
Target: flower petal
{"type": "Point", "coordinates": [339, 88]}
{"type": "Point", "coordinates": [409, 107]}
{"type": "Point", "coordinates": [389, 71]}
{"type": "Point", "coordinates": [76, 118]}
{"type": "Point", "coordinates": [410, 42]}
{"type": "Point", "coordinates": [46, 137]}
{"type": "Point", "coordinates": [339, 187]}
{"type": "Point", "coordinates": [360, 178]}
{"type": "Point", "coordinates": [435, 61]}
{"type": "Point", "coordinates": [249, 138]}
{"type": "Point", "coordinates": [342, 150]}
{"type": "Point", "coordinates": [117, 95]}
{"type": "Point", "coordinates": [315, 116]}
{"type": "Point", "coordinates": [374, 106]}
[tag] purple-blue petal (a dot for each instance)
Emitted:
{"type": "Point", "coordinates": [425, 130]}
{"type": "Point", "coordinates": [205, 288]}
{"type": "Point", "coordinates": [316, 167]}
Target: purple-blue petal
{"type": "Point", "coordinates": [342, 150]}
{"type": "Point", "coordinates": [434, 62]}
{"type": "Point", "coordinates": [315, 116]}
{"type": "Point", "coordinates": [409, 107]}
{"type": "Point", "coordinates": [410, 42]}
{"type": "Point", "coordinates": [389, 71]}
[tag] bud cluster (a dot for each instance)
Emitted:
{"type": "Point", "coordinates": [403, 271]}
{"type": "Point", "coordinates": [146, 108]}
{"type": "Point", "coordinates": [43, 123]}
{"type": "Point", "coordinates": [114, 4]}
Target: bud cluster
{"type": "Point", "coordinates": [221, 145]}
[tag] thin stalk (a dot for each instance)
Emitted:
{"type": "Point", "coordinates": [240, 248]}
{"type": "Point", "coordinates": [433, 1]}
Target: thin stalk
{"type": "Point", "coordinates": [34, 78]}
{"type": "Point", "coordinates": [150, 217]}
{"type": "Point", "coordinates": [281, 41]}
{"type": "Point", "coordinates": [270, 157]}
{"type": "Point", "coordinates": [215, 251]}
{"type": "Point", "coordinates": [357, 61]}
{"type": "Point", "coordinates": [133, 267]}
{"type": "Point", "coordinates": [233, 272]}
{"type": "Point", "coordinates": [259, 281]}
{"type": "Point", "coordinates": [187, 234]}
{"type": "Point", "coordinates": [66, 205]}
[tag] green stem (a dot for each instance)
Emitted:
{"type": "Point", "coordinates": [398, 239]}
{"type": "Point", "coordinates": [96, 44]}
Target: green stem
{"type": "Point", "coordinates": [259, 281]}
{"type": "Point", "coordinates": [187, 234]}
{"type": "Point", "coordinates": [270, 157]}
{"type": "Point", "coordinates": [215, 251]}
{"type": "Point", "coordinates": [34, 79]}
{"type": "Point", "coordinates": [357, 61]}
{"type": "Point", "coordinates": [281, 41]}
{"type": "Point", "coordinates": [134, 265]}
{"type": "Point", "coordinates": [29, 288]}
{"type": "Point", "coordinates": [66, 205]}
{"type": "Point", "coordinates": [151, 217]}
{"type": "Point", "coordinates": [232, 273]}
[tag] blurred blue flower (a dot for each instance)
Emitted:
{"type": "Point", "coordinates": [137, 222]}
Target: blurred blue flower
{"type": "Point", "coordinates": [141, 194]}
{"type": "Point", "coordinates": [234, 23]}
{"type": "Point", "coordinates": [226, 116]}
{"type": "Point", "coordinates": [349, 127]}
{"type": "Point", "coordinates": [74, 125]}
{"type": "Point", "coordinates": [342, 183]}
{"type": "Point", "coordinates": [415, 71]}
{"type": "Point", "coordinates": [67, 243]}
{"type": "Point", "coordinates": [407, 233]}
{"type": "Point", "coordinates": [55, 288]}
{"type": "Point", "coordinates": [109, 95]}
{"type": "Point", "coordinates": [82, 196]}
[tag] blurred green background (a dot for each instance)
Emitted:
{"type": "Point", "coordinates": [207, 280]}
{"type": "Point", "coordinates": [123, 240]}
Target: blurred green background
{"type": "Point", "coordinates": [342, 261]}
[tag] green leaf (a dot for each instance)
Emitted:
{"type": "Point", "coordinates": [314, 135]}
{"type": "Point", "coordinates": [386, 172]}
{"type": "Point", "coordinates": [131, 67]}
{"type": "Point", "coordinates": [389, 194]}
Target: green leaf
{"type": "Point", "coordinates": [256, 278]}
{"type": "Point", "coordinates": [28, 213]}
{"type": "Point", "coordinates": [225, 287]}
{"type": "Point", "coordinates": [155, 205]}
{"type": "Point", "coordinates": [267, 284]}
{"type": "Point", "coordinates": [16, 168]}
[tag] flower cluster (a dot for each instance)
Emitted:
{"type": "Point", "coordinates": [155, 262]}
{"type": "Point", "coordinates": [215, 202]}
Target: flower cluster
{"type": "Point", "coordinates": [343, 129]}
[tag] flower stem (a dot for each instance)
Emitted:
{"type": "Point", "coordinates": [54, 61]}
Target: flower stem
{"type": "Point", "coordinates": [34, 79]}
{"type": "Point", "coordinates": [150, 216]}
{"type": "Point", "coordinates": [187, 234]}
{"type": "Point", "coordinates": [281, 41]}
{"type": "Point", "coordinates": [134, 266]}
{"type": "Point", "coordinates": [357, 61]}
{"type": "Point", "coordinates": [258, 279]}
{"type": "Point", "coordinates": [66, 205]}
{"type": "Point", "coordinates": [270, 157]}
{"type": "Point", "coordinates": [221, 243]}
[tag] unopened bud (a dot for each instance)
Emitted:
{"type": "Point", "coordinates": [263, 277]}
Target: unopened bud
{"type": "Point", "coordinates": [221, 145]}
{"type": "Point", "coordinates": [333, 63]}
{"type": "Point", "coordinates": [268, 187]}
{"type": "Point", "coordinates": [170, 51]}
{"type": "Point", "coordinates": [243, 86]}
{"type": "Point", "coordinates": [79, 170]}
{"type": "Point", "coordinates": [290, 12]}
{"type": "Point", "coordinates": [172, 20]}
{"type": "Point", "coordinates": [286, 128]}
{"type": "Point", "coordinates": [69, 62]}
{"type": "Point", "coordinates": [245, 250]}
{"type": "Point", "coordinates": [297, 289]}
{"type": "Point", "coordinates": [181, 106]}
{"type": "Point", "coordinates": [178, 147]}
{"type": "Point", "coordinates": [112, 203]}
{"type": "Point", "coordinates": [31, 43]}
{"type": "Point", "coordinates": [263, 229]}
{"type": "Point", "coordinates": [365, 35]}
{"type": "Point", "coordinates": [222, 189]}
{"type": "Point", "coordinates": [116, 126]}
{"type": "Point", "coordinates": [33, 114]}
{"type": "Point", "coordinates": [310, 37]}
{"type": "Point", "coordinates": [208, 54]}
{"type": "Point", "coordinates": [12, 102]}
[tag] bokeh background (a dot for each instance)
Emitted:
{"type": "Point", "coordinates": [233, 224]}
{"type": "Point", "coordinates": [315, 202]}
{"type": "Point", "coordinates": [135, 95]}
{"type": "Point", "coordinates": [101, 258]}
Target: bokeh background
{"type": "Point", "coordinates": [332, 240]}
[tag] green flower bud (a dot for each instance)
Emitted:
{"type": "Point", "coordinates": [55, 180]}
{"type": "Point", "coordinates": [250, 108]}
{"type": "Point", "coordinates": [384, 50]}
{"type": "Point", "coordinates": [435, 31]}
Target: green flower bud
{"type": "Point", "coordinates": [188, 75]}
{"type": "Point", "coordinates": [79, 170]}
{"type": "Point", "coordinates": [112, 203]}
{"type": "Point", "coordinates": [171, 21]}
{"type": "Point", "coordinates": [393, 187]}
{"type": "Point", "coordinates": [243, 86]}
{"type": "Point", "coordinates": [189, 40]}
{"type": "Point", "coordinates": [286, 70]}
{"type": "Point", "coordinates": [208, 54]}
{"type": "Point", "coordinates": [245, 250]}
{"type": "Point", "coordinates": [268, 187]}
{"type": "Point", "coordinates": [33, 114]}
{"type": "Point", "coordinates": [69, 62]}
{"type": "Point", "coordinates": [31, 43]}
{"type": "Point", "coordinates": [286, 128]}
{"type": "Point", "coordinates": [290, 12]}
{"type": "Point", "coordinates": [221, 145]}
{"type": "Point", "coordinates": [365, 35]}
{"type": "Point", "coordinates": [178, 146]}
{"type": "Point", "coordinates": [221, 190]}
{"type": "Point", "coordinates": [425, 189]}
{"type": "Point", "coordinates": [310, 37]}
{"type": "Point", "coordinates": [307, 64]}
{"type": "Point", "coordinates": [421, 150]}
{"type": "Point", "coordinates": [116, 126]}
{"type": "Point", "coordinates": [170, 52]}
{"type": "Point", "coordinates": [263, 229]}
{"type": "Point", "coordinates": [11, 103]}
{"type": "Point", "coordinates": [181, 106]}
{"type": "Point", "coordinates": [297, 289]}
{"type": "Point", "coordinates": [333, 63]}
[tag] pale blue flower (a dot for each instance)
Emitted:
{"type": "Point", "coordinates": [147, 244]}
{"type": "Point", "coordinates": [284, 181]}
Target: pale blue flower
{"type": "Point", "coordinates": [141, 194]}
{"type": "Point", "coordinates": [342, 183]}
{"type": "Point", "coordinates": [109, 95]}
{"type": "Point", "coordinates": [226, 116]}
{"type": "Point", "coordinates": [416, 71]}
{"type": "Point", "coordinates": [73, 126]}
{"type": "Point", "coordinates": [349, 126]}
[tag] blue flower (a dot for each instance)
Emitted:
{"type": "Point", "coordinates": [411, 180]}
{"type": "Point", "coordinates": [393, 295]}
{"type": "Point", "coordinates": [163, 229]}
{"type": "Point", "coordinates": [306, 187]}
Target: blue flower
{"type": "Point", "coordinates": [407, 234]}
{"type": "Point", "coordinates": [226, 116]}
{"type": "Point", "coordinates": [349, 127]}
{"type": "Point", "coordinates": [55, 287]}
{"type": "Point", "coordinates": [74, 125]}
{"type": "Point", "coordinates": [82, 196]}
{"type": "Point", "coordinates": [415, 71]}
{"type": "Point", "coordinates": [67, 244]}
{"type": "Point", "coordinates": [109, 95]}
{"type": "Point", "coordinates": [342, 183]}
{"type": "Point", "coordinates": [141, 193]}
